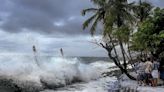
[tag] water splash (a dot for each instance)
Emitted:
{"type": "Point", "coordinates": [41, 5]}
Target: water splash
{"type": "Point", "coordinates": [52, 70]}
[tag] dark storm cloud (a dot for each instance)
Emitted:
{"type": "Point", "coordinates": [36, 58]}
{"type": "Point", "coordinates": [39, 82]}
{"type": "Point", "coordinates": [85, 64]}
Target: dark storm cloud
{"type": "Point", "coordinates": [45, 15]}
{"type": "Point", "coordinates": [49, 25]}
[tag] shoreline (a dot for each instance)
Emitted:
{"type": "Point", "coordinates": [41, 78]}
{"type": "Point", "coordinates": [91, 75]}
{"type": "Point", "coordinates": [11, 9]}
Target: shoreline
{"type": "Point", "coordinates": [10, 84]}
{"type": "Point", "coordinates": [128, 85]}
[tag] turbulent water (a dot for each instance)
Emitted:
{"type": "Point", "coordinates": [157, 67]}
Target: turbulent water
{"type": "Point", "coordinates": [56, 74]}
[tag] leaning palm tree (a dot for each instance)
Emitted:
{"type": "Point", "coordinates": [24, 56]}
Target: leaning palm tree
{"type": "Point", "coordinates": [121, 20]}
{"type": "Point", "coordinates": [116, 18]}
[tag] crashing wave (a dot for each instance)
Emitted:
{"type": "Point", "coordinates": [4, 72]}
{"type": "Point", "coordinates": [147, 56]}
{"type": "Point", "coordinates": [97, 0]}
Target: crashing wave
{"type": "Point", "coordinates": [52, 73]}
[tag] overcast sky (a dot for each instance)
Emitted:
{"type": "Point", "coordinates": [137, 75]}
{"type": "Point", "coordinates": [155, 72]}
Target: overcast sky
{"type": "Point", "coordinates": [48, 24]}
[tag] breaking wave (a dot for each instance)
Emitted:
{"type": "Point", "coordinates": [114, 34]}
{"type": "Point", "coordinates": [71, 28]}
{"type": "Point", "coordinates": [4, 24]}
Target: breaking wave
{"type": "Point", "coordinates": [52, 71]}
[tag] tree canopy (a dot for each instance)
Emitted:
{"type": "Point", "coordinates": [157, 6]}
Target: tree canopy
{"type": "Point", "coordinates": [150, 32]}
{"type": "Point", "coordinates": [119, 19]}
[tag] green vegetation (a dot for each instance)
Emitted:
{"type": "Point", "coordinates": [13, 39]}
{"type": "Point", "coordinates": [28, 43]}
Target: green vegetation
{"type": "Point", "coordinates": [150, 34]}
{"type": "Point", "coordinates": [119, 20]}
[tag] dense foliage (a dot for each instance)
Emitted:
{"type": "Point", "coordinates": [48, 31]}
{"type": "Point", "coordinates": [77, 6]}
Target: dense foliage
{"type": "Point", "coordinates": [119, 19]}
{"type": "Point", "coordinates": [150, 33]}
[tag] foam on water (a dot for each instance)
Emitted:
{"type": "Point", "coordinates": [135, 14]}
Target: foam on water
{"type": "Point", "coordinates": [53, 70]}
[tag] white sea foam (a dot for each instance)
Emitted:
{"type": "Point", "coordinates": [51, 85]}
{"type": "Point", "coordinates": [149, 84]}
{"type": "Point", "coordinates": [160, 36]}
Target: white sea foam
{"type": "Point", "coordinates": [106, 84]}
{"type": "Point", "coordinates": [53, 70]}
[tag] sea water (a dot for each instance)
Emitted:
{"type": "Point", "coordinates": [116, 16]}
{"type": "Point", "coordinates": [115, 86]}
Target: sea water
{"type": "Point", "coordinates": [57, 72]}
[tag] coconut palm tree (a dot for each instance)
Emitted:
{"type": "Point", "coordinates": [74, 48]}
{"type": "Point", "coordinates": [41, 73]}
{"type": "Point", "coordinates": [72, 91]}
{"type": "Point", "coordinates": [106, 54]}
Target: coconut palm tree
{"type": "Point", "coordinates": [116, 18]}
{"type": "Point", "coordinates": [121, 20]}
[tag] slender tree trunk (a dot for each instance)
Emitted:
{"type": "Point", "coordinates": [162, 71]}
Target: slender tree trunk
{"type": "Point", "coordinates": [119, 24]}
{"type": "Point", "coordinates": [121, 68]}
{"type": "Point", "coordinates": [129, 52]}
{"type": "Point", "coordinates": [114, 47]}
{"type": "Point", "coordinates": [130, 59]}
{"type": "Point", "coordinates": [115, 60]}
{"type": "Point", "coordinates": [123, 55]}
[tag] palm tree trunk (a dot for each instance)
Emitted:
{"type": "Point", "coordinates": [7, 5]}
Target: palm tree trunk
{"type": "Point", "coordinates": [119, 24]}
{"type": "Point", "coordinates": [129, 52]}
{"type": "Point", "coordinates": [113, 46]}
{"type": "Point", "coordinates": [123, 55]}
{"type": "Point", "coordinates": [123, 70]}
{"type": "Point", "coordinates": [116, 61]}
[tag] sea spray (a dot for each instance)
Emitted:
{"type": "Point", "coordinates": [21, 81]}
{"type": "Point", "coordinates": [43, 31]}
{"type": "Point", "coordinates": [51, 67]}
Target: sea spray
{"type": "Point", "coordinates": [35, 55]}
{"type": "Point", "coordinates": [54, 71]}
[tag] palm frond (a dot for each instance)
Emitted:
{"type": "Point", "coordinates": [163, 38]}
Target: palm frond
{"type": "Point", "coordinates": [88, 10]}
{"type": "Point", "coordinates": [93, 27]}
{"type": "Point", "coordinates": [89, 21]}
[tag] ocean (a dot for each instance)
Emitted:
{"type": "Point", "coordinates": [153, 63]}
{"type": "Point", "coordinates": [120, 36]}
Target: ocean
{"type": "Point", "coordinates": [55, 74]}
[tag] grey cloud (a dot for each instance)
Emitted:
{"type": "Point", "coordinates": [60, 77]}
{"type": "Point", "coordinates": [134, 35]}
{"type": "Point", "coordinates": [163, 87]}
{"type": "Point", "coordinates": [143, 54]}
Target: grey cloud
{"type": "Point", "coordinates": [72, 46]}
{"type": "Point", "coordinates": [60, 19]}
{"type": "Point", "coordinates": [40, 15]}
{"type": "Point", "coordinates": [11, 46]}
